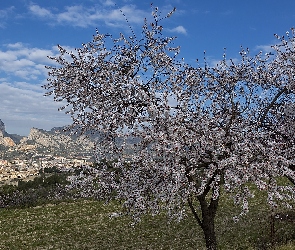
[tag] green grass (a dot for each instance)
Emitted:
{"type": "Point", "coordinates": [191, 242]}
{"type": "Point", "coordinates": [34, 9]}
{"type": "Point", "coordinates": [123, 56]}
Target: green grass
{"type": "Point", "coordinates": [87, 225]}
{"type": "Point", "coordinates": [252, 231]}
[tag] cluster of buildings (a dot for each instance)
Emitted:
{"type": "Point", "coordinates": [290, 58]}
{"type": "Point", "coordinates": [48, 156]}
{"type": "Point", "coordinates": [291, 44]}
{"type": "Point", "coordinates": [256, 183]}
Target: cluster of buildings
{"type": "Point", "coordinates": [21, 169]}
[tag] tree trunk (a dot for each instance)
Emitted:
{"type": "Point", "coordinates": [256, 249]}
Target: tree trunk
{"type": "Point", "coordinates": [209, 231]}
{"type": "Point", "coordinates": [208, 216]}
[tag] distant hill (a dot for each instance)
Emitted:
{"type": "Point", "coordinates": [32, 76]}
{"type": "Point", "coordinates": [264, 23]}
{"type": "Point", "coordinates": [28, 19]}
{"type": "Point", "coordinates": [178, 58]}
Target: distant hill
{"type": "Point", "coordinates": [39, 141]}
{"type": "Point", "coordinates": [2, 126]}
{"type": "Point", "coordinates": [16, 138]}
{"type": "Point", "coordinates": [58, 141]}
{"type": "Point", "coordinates": [7, 139]}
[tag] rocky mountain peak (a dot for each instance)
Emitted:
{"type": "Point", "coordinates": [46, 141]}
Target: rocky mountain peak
{"type": "Point", "coordinates": [6, 141]}
{"type": "Point", "coordinates": [2, 127]}
{"type": "Point", "coordinates": [57, 139]}
{"type": "Point", "coordinates": [34, 133]}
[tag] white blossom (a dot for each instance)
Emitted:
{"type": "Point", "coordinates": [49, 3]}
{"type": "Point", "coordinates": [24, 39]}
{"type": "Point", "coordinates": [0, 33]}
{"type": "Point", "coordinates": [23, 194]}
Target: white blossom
{"type": "Point", "coordinates": [229, 127]}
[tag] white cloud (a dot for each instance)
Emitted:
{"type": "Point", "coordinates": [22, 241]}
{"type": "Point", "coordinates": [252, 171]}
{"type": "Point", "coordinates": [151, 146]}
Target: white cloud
{"type": "Point", "coordinates": [4, 15]}
{"type": "Point", "coordinates": [23, 106]}
{"type": "Point", "coordinates": [134, 15]}
{"type": "Point", "coordinates": [226, 13]}
{"type": "Point", "coordinates": [39, 55]}
{"type": "Point", "coordinates": [80, 16]}
{"type": "Point", "coordinates": [15, 45]}
{"type": "Point", "coordinates": [75, 15]}
{"type": "Point", "coordinates": [23, 61]}
{"type": "Point", "coordinates": [213, 62]}
{"type": "Point", "coordinates": [38, 11]}
{"type": "Point", "coordinates": [107, 2]}
{"type": "Point", "coordinates": [264, 48]}
{"type": "Point", "coordinates": [24, 74]}
{"type": "Point", "coordinates": [7, 56]}
{"type": "Point", "coordinates": [179, 29]}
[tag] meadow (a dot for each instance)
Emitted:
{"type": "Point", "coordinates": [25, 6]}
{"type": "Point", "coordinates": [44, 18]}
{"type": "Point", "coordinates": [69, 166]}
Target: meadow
{"type": "Point", "coordinates": [90, 224]}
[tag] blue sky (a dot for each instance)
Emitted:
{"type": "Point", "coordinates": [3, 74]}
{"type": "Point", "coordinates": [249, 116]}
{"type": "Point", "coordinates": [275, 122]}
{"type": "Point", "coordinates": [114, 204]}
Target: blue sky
{"type": "Point", "coordinates": [30, 31]}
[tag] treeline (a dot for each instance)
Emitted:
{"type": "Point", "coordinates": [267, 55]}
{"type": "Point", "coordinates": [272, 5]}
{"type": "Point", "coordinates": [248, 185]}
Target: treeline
{"type": "Point", "coordinates": [53, 186]}
{"type": "Point", "coordinates": [41, 190]}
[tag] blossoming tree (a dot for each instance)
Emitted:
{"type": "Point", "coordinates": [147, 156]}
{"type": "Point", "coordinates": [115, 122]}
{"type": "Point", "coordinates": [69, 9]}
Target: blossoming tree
{"type": "Point", "coordinates": [186, 133]}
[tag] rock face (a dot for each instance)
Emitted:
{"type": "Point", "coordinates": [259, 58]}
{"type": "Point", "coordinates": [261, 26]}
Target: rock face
{"type": "Point", "coordinates": [42, 138]}
{"type": "Point", "coordinates": [2, 127]}
{"type": "Point", "coordinates": [6, 141]}
{"type": "Point", "coordinates": [56, 140]}
{"type": "Point", "coordinates": [39, 141]}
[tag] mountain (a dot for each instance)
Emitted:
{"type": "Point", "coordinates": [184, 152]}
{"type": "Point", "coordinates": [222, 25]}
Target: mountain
{"type": "Point", "coordinates": [14, 137]}
{"type": "Point", "coordinates": [6, 140]}
{"type": "Point", "coordinates": [57, 141]}
{"type": "Point", "coordinates": [2, 126]}
{"type": "Point", "coordinates": [39, 141]}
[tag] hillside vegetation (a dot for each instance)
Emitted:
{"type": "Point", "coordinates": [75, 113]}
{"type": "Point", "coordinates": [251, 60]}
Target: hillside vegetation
{"type": "Point", "coordinates": [88, 224]}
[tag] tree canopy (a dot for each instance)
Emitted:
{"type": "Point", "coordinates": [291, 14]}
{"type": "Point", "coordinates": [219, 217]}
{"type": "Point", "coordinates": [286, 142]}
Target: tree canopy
{"type": "Point", "coordinates": [196, 129]}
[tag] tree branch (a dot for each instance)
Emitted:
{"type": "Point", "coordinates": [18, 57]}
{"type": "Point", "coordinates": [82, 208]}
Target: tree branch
{"type": "Point", "coordinates": [190, 203]}
{"type": "Point", "coordinates": [282, 91]}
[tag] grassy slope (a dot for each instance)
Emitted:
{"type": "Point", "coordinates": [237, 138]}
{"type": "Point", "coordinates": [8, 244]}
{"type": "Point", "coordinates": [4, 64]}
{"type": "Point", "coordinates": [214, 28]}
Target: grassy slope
{"type": "Point", "coordinates": [87, 225]}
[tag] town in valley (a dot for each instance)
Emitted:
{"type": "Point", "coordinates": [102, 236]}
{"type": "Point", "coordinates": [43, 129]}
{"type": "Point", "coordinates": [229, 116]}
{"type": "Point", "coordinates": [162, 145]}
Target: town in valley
{"type": "Point", "coordinates": [24, 157]}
